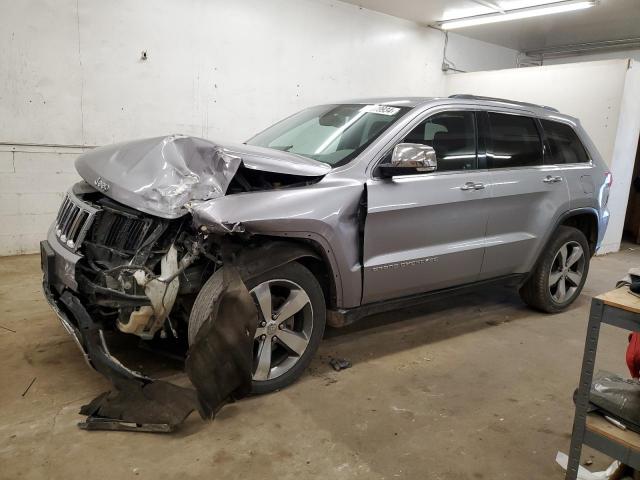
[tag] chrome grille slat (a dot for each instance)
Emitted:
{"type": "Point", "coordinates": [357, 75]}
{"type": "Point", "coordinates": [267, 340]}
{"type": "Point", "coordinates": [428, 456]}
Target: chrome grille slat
{"type": "Point", "coordinates": [74, 220]}
{"type": "Point", "coordinates": [63, 209]}
{"type": "Point", "coordinates": [75, 225]}
{"type": "Point", "coordinates": [64, 212]}
{"type": "Point", "coordinates": [68, 217]}
{"type": "Point", "coordinates": [66, 226]}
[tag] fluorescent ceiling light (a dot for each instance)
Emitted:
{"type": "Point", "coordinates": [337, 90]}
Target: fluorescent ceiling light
{"type": "Point", "coordinates": [516, 14]}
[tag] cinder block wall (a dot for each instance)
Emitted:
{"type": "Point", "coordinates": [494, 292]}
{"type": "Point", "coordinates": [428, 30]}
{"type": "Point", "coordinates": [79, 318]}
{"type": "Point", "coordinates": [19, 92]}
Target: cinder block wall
{"type": "Point", "coordinates": [32, 183]}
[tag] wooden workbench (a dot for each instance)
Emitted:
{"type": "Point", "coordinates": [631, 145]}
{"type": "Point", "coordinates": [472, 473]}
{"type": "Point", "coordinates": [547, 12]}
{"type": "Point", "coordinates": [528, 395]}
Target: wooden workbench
{"type": "Point", "coordinates": [621, 298]}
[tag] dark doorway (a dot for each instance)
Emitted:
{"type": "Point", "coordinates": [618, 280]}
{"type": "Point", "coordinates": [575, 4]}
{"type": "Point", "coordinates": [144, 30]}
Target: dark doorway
{"type": "Point", "coordinates": [632, 219]}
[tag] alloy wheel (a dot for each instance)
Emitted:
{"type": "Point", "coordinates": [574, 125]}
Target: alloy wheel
{"type": "Point", "coordinates": [284, 328]}
{"type": "Point", "coordinates": [567, 270]}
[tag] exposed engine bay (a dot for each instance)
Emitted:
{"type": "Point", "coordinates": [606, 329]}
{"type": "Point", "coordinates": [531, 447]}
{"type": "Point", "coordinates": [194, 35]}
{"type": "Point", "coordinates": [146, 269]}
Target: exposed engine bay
{"type": "Point", "coordinates": [134, 267]}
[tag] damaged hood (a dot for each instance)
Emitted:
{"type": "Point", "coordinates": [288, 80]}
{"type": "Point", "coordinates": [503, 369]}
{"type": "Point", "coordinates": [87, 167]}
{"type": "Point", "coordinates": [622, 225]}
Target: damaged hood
{"type": "Point", "coordinates": [161, 175]}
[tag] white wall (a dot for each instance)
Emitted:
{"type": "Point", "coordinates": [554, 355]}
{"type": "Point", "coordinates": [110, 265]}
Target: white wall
{"type": "Point", "coordinates": [71, 75]}
{"type": "Point", "coordinates": [471, 55]}
{"type": "Point", "coordinates": [603, 95]}
{"type": "Point", "coordinates": [592, 57]}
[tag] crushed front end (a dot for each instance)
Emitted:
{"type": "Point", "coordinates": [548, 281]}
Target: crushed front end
{"type": "Point", "coordinates": [107, 267]}
{"type": "Point", "coordinates": [130, 271]}
{"type": "Point", "coordinates": [127, 256]}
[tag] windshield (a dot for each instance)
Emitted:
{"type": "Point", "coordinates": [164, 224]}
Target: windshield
{"type": "Point", "coordinates": [332, 134]}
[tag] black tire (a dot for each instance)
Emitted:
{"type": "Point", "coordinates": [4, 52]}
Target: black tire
{"type": "Point", "coordinates": [536, 291]}
{"type": "Point", "coordinates": [293, 272]}
{"type": "Point", "coordinates": [203, 305]}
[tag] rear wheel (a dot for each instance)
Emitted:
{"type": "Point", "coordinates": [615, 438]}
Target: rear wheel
{"type": "Point", "coordinates": [292, 316]}
{"type": "Point", "coordinates": [560, 274]}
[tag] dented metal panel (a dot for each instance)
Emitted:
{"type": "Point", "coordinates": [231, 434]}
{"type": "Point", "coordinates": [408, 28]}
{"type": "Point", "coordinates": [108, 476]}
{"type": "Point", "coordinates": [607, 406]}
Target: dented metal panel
{"type": "Point", "coordinates": [161, 175]}
{"type": "Point", "coordinates": [324, 213]}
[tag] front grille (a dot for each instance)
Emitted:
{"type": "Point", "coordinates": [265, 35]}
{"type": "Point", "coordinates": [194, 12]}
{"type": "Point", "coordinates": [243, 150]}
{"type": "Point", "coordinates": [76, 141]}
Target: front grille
{"type": "Point", "coordinates": [120, 230]}
{"type": "Point", "coordinates": [73, 221]}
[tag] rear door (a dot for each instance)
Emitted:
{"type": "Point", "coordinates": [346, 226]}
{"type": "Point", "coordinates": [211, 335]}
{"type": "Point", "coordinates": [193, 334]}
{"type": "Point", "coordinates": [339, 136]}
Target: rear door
{"type": "Point", "coordinates": [527, 195]}
{"type": "Point", "coordinates": [565, 150]}
{"type": "Point", "coordinates": [425, 232]}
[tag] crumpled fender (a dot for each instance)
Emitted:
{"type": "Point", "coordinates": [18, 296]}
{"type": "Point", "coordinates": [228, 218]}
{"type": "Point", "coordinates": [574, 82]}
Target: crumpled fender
{"type": "Point", "coordinates": [252, 262]}
{"type": "Point", "coordinates": [325, 213]}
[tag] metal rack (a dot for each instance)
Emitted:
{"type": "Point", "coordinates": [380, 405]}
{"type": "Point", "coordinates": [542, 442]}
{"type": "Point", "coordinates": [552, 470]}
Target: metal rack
{"type": "Point", "coordinates": [620, 309]}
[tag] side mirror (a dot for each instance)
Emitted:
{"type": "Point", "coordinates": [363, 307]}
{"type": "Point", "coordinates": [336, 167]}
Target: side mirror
{"type": "Point", "coordinates": [409, 159]}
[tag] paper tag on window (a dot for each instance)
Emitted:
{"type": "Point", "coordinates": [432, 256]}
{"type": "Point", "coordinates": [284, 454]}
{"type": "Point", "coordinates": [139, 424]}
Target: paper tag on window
{"type": "Point", "coordinates": [381, 109]}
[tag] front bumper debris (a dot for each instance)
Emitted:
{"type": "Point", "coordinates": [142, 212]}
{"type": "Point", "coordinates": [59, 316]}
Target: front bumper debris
{"type": "Point", "coordinates": [137, 402]}
{"type": "Point", "coordinates": [47, 263]}
{"type": "Point", "coordinates": [219, 364]}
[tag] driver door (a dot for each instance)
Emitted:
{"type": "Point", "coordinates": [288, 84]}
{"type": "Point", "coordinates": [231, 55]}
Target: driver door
{"type": "Point", "coordinates": [425, 232]}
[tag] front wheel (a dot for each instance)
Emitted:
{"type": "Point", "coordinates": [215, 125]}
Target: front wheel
{"type": "Point", "coordinates": [292, 317]}
{"type": "Point", "coordinates": [560, 274]}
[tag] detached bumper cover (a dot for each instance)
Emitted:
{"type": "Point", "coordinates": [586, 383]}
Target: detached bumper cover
{"type": "Point", "coordinates": [66, 323]}
{"type": "Point", "coordinates": [48, 263]}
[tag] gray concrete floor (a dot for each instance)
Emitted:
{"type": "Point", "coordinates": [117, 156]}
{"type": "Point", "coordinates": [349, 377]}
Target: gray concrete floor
{"type": "Point", "coordinates": [474, 387]}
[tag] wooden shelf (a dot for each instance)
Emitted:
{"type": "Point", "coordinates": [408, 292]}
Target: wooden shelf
{"type": "Point", "coordinates": [596, 423]}
{"type": "Point", "coordinates": [621, 298]}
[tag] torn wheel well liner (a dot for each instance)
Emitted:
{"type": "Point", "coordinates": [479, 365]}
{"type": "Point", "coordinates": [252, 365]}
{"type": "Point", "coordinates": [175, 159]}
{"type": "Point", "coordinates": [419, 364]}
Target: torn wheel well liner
{"type": "Point", "coordinates": [273, 252]}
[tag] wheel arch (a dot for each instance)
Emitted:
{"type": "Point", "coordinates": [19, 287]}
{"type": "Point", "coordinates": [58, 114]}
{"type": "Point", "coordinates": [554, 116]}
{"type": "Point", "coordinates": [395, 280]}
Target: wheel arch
{"type": "Point", "coordinates": [274, 252]}
{"type": "Point", "coordinates": [584, 219]}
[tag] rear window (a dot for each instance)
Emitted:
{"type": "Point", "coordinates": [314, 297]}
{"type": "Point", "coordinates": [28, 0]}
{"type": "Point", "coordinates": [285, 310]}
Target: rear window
{"type": "Point", "coordinates": [564, 144]}
{"type": "Point", "coordinates": [513, 141]}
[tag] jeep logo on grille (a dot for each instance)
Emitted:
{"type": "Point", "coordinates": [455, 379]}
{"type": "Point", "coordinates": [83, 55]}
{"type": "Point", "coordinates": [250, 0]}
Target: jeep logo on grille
{"type": "Point", "coordinates": [101, 184]}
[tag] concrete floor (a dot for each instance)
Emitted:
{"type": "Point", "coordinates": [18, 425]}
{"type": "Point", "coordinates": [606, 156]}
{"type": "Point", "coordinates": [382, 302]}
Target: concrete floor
{"type": "Point", "coordinates": [475, 387]}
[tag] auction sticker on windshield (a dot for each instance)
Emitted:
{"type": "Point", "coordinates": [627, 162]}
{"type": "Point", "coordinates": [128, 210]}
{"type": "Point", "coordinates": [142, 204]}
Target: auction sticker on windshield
{"type": "Point", "coordinates": [381, 109]}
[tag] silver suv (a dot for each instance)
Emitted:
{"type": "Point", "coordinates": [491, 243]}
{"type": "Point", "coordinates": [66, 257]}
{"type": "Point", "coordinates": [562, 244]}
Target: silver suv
{"type": "Point", "coordinates": [332, 214]}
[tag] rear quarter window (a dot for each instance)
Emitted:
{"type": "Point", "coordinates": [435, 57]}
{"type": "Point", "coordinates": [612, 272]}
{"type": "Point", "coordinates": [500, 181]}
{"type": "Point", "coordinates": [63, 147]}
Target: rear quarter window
{"type": "Point", "coordinates": [564, 144]}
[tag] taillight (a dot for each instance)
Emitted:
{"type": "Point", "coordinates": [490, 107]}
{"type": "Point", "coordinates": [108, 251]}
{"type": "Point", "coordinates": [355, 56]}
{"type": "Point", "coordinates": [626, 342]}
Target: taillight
{"type": "Point", "coordinates": [608, 179]}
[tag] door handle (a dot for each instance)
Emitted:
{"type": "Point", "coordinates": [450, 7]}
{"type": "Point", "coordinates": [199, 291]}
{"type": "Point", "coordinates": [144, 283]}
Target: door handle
{"type": "Point", "coordinates": [472, 186]}
{"type": "Point", "coordinates": [552, 179]}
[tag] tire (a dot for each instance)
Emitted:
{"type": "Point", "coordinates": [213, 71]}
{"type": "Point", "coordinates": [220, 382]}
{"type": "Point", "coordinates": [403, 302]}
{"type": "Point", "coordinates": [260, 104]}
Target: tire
{"type": "Point", "coordinates": [544, 288]}
{"type": "Point", "coordinates": [291, 341]}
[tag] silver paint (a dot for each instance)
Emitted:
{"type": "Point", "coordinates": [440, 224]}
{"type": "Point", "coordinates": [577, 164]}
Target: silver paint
{"type": "Point", "coordinates": [475, 233]}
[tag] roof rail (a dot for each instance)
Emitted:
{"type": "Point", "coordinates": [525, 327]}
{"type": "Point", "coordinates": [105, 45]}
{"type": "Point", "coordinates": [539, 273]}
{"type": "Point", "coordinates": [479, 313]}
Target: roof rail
{"type": "Point", "coordinates": [504, 100]}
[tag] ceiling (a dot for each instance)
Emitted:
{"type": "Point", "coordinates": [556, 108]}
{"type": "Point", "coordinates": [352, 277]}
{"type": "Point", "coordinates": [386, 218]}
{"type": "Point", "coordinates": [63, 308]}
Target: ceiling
{"type": "Point", "coordinates": [608, 20]}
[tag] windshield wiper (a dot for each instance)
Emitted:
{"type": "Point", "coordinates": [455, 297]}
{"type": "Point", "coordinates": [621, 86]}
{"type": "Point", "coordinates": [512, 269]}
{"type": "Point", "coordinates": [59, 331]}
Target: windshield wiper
{"type": "Point", "coordinates": [284, 148]}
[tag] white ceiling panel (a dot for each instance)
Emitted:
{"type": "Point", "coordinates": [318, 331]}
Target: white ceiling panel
{"type": "Point", "coordinates": [608, 20]}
